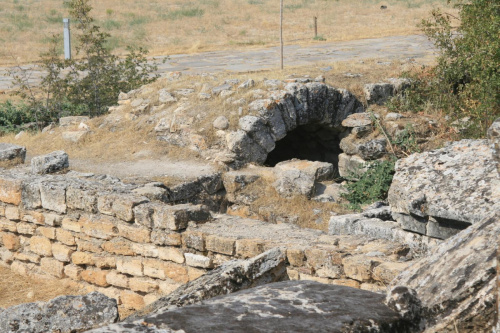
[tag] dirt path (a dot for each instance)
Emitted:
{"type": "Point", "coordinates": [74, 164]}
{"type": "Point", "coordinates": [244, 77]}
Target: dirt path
{"type": "Point", "coordinates": [396, 47]}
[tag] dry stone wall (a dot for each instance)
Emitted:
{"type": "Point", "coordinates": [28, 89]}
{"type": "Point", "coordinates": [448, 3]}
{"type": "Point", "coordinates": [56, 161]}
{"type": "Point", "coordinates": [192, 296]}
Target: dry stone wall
{"type": "Point", "coordinates": [98, 232]}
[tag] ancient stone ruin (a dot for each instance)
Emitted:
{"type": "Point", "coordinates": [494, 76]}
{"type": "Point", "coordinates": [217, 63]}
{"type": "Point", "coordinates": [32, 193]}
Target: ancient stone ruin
{"type": "Point", "coordinates": [201, 255]}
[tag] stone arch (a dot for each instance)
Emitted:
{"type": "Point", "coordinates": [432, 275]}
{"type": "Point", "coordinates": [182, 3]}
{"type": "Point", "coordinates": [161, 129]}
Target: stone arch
{"type": "Point", "coordinates": [313, 111]}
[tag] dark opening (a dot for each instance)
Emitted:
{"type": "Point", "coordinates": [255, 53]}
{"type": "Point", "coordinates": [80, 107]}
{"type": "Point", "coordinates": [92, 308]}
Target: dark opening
{"type": "Point", "coordinates": [309, 142]}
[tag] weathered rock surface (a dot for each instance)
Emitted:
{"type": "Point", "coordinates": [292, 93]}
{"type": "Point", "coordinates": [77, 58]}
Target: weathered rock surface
{"type": "Point", "coordinates": [441, 192]}
{"type": "Point", "coordinates": [72, 120]}
{"type": "Point", "coordinates": [230, 277]}
{"type": "Point", "coordinates": [64, 314]}
{"type": "Point", "coordinates": [292, 306]}
{"type": "Point", "coordinates": [293, 182]}
{"type": "Point", "coordinates": [379, 93]}
{"type": "Point", "coordinates": [456, 281]}
{"type": "Point", "coordinates": [494, 138]}
{"type": "Point", "coordinates": [367, 149]}
{"type": "Point", "coordinates": [12, 154]}
{"type": "Point", "coordinates": [50, 163]}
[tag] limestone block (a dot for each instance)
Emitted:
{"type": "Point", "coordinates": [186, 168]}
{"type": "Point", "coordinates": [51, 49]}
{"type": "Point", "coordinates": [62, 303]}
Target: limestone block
{"type": "Point", "coordinates": [73, 120]}
{"type": "Point", "coordinates": [53, 196]}
{"type": "Point", "coordinates": [247, 248]}
{"type": "Point", "coordinates": [142, 284]}
{"type": "Point", "coordinates": [98, 227]}
{"type": "Point", "coordinates": [143, 215]}
{"type": "Point", "coordinates": [6, 225]}
{"type": "Point", "coordinates": [171, 254]}
{"type": "Point", "coordinates": [295, 257]}
{"type": "Point", "coordinates": [11, 154]}
{"type": "Point", "coordinates": [61, 252]}
{"type": "Point", "coordinates": [73, 272]}
{"type": "Point", "coordinates": [104, 261]}
{"type": "Point", "coordinates": [52, 267]}
{"type": "Point", "coordinates": [10, 190]}
{"type": "Point", "coordinates": [50, 163]}
{"type": "Point", "coordinates": [26, 228]}
{"type": "Point", "coordinates": [27, 256]}
{"type": "Point", "coordinates": [131, 300]}
{"type": "Point", "coordinates": [119, 246]}
{"type": "Point", "coordinates": [117, 279]}
{"type": "Point", "coordinates": [11, 242]}
{"type": "Point", "coordinates": [30, 194]}
{"type": "Point", "coordinates": [130, 266]}
{"type": "Point", "coordinates": [387, 271]}
{"type": "Point", "coordinates": [220, 244]}
{"type": "Point", "coordinates": [293, 182]}
{"type": "Point", "coordinates": [195, 273]}
{"type": "Point", "coordinates": [146, 250]}
{"type": "Point", "coordinates": [82, 258]}
{"type": "Point", "coordinates": [33, 217]}
{"type": "Point", "coordinates": [321, 171]}
{"type": "Point", "coordinates": [79, 197]}
{"type": "Point", "coordinates": [94, 276]}
{"type": "Point", "coordinates": [196, 260]}
{"type": "Point", "coordinates": [357, 120]}
{"type": "Point", "coordinates": [12, 213]}
{"type": "Point", "coordinates": [92, 245]}
{"type": "Point", "coordinates": [194, 240]}
{"type": "Point", "coordinates": [167, 238]}
{"type": "Point", "coordinates": [359, 267]}
{"type": "Point", "coordinates": [65, 237]}
{"type": "Point", "coordinates": [71, 225]}
{"type": "Point", "coordinates": [41, 245]}
{"type": "Point", "coordinates": [51, 219]}
{"type": "Point", "coordinates": [134, 233]}
{"type": "Point", "coordinates": [177, 217]}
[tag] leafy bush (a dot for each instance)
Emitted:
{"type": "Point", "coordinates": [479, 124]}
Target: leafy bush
{"type": "Point", "coordinates": [466, 80]}
{"type": "Point", "coordinates": [370, 186]}
{"type": "Point", "coordinates": [13, 116]}
{"type": "Point", "coordinates": [90, 82]}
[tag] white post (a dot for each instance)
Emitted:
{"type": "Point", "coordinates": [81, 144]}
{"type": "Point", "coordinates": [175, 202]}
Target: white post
{"type": "Point", "coordinates": [67, 40]}
{"type": "Point", "coordinates": [281, 34]}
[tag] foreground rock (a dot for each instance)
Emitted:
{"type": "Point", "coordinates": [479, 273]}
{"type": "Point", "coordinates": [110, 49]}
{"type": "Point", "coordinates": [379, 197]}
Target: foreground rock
{"type": "Point", "coordinates": [11, 154]}
{"type": "Point", "coordinates": [50, 163]}
{"type": "Point", "coordinates": [230, 277]}
{"type": "Point", "coordinates": [456, 281]}
{"type": "Point", "coordinates": [291, 306]}
{"type": "Point", "coordinates": [65, 314]}
{"type": "Point", "coordinates": [441, 192]}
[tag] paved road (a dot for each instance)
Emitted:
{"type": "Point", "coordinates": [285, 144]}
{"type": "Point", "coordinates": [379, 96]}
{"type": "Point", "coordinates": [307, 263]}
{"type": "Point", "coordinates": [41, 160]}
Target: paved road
{"type": "Point", "coordinates": [397, 47]}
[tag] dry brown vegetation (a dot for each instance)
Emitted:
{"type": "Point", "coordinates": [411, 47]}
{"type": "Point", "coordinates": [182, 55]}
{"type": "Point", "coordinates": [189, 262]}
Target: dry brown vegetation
{"type": "Point", "coordinates": [16, 289]}
{"type": "Point", "coordinates": [172, 26]}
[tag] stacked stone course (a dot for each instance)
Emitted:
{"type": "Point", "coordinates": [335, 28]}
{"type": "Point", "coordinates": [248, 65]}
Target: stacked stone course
{"type": "Point", "coordinates": [96, 232]}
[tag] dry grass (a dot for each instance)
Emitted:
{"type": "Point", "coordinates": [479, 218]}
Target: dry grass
{"type": "Point", "coordinates": [17, 289]}
{"type": "Point", "coordinates": [172, 26]}
{"type": "Point", "coordinates": [132, 137]}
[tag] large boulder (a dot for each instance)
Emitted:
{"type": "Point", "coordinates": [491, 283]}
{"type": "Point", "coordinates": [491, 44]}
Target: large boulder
{"type": "Point", "coordinates": [229, 277]}
{"type": "Point", "coordinates": [50, 163]}
{"type": "Point", "coordinates": [64, 314]}
{"type": "Point", "coordinates": [291, 306]}
{"type": "Point", "coordinates": [440, 192]}
{"type": "Point", "coordinates": [11, 154]}
{"type": "Point", "coordinates": [456, 280]}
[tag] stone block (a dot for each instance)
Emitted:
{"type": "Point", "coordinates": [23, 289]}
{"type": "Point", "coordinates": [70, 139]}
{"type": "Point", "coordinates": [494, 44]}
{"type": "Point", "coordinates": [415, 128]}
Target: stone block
{"type": "Point", "coordinates": [95, 276]}
{"type": "Point", "coordinates": [91, 245]}
{"type": "Point", "coordinates": [196, 260]}
{"type": "Point", "coordinates": [6, 256]}
{"type": "Point", "coordinates": [65, 237]}
{"type": "Point", "coordinates": [317, 257]}
{"type": "Point", "coordinates": [26, 228]}
{"type": "Point", "coordinates": [117, 279]}
{"type": "Point", "coordinates": [73, 272]}
{"type": "Point", "coordinates": [10, 190]}
{"type": "Point", "coordinates": [27, 256]}
{"type": "Point", "coordinates": [53, 196]}
{"type": "Point", "coordinates": [134, 233]}
{"type": "Point", "coordinates": [11, 154]}
{"type": "Point", "coordinates": [220, 244]}
{"type": "Point", "coordinates": [33, 217]}
{"type": "Point", "coordinates": [330, 271]}
{"type": "Point", "coordinates": [146, 250]}
{"type": "Point", "coordinates": [119, 246]}
{"type": "Point", "coordinates": [79, 197]}
{"type": "Point", "coordinates": [52, 267]}
{"type": "Point", "coordinates": [131, 300]}
{"type": "Point", "coordinates": [296, 257]}
{"type": "Point", "coordinates": [53, 220]}
{"type": "Point", "coordinates": [30, 194]}
{"type": "Point", "coordinates": [71, 225]}
{"type": "Point", "coordinates": [167, 238]}
{"type": "Point", "coordinates": [130, 266]}
{"type": "Point", "coordinates": [142, 284]}
{"type": "Point", "coordinates": [104, 261]}
{"type": "Point", "coordinates": [347, 283]}
{"type": "Point", "coordinates": [123, 206]}
{"type": "Point", "coordinates": [12, 213]}
{"type": "Point", "coordinates": [166, 287]}
{"type": "Point", "coordinates": [82, 258]}
{"type": "Point", "coordinates": [359, 267]}
{"type": "Point", "coordinates": [11, 242]}
{"type": "Point", "coordinates": [177, 217]}
{"type": "Point", "coordinates": [387, 271]}
{"type": "Point", "coordinates": [171, 254]}
{"type": "Point", "coordinates": [143, 215]}
{"type": "Point", "coordinates": [247, 248]}
{"type": "Point", "coordinates": [98, 227]}
{"type": "Point", "coordinates": [162, 270]}
{"type": "Point", "coordinates": [41, 245]}
{"type": "Point", "coordinates": [48, 232]}
{"type": "Point", "coordinates": [62, 252]}
{"type": "Point", "coordinates": [6, 225]}
{"type": "Point", "coordinates": [50, 163]}
{"type": "Point", "coordinates": [194, 240]}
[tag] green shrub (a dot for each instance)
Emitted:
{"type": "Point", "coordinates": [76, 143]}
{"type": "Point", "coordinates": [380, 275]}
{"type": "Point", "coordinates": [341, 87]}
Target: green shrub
{"type": "Point", "coordinates": [370, 186]}
{"type": "Point", "coordinates": [466, 80]}
{"type": "Point", "coordinates": [13, 116]}
{"type": "Point", "coordinates": [90, 82]}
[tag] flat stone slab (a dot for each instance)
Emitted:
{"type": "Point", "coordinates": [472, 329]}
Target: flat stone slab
{"type": "Point", "coordinates": [291, 306]}
{"type": "Point", "coordinates": [12, 153]}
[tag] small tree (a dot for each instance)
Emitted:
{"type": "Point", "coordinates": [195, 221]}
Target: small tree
{"type": "Point", "coordinates": [91, 82]}
{"type": "Point", "coordinates": [466, 80]}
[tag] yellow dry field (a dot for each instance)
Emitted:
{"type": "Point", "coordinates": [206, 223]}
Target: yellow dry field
{"type": "Point", "coordinates": [181, 26]}
{"type": "Point", "coordinates": [17, 289]}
